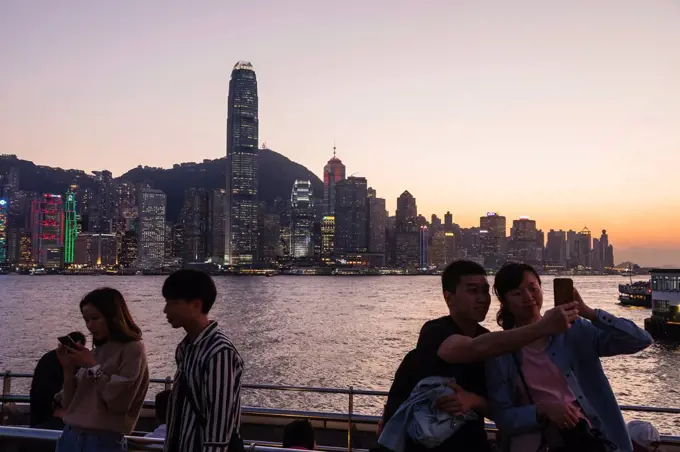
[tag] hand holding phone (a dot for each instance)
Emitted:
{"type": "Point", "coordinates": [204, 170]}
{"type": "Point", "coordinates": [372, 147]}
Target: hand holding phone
{"type": "Point", "coordinates": [66, 341]}
{"type": "Point", "coordinates": [564, 290]}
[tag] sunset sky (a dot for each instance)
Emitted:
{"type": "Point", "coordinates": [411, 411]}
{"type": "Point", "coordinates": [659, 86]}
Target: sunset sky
{"type": "Point", "coordinates": [565, 111]}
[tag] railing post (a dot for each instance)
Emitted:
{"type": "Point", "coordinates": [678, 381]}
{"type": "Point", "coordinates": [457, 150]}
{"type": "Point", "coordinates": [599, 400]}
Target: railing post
{"type": "Point", "coordinates": [349, 419]}
{"type": "Point", "coordinates": [168, 383]}
{"type": "Point", "coordinates": [6, 391]}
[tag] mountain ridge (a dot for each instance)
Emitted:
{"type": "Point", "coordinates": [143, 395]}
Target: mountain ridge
{"type": "Point", "coordinates": [276, 172]}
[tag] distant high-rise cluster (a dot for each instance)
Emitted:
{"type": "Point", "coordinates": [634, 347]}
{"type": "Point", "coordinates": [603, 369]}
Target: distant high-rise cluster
{"type": "Point", "coordinates": [342, 224]}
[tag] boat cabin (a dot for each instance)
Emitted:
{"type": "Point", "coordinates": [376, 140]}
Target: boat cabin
{"type": "Point", "coordinates": [665, 320]}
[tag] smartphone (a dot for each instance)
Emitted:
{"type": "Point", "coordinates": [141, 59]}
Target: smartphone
{"type": "Point", "coordinates": [66, 341]}
{"type": "Point", "coordinates": [564, 290]}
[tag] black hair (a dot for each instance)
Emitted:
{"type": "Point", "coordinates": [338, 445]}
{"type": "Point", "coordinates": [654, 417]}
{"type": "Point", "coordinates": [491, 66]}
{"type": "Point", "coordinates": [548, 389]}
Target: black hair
{"type": "Point", "coordinates": [188, 285]}
{"type": "Point", "coordinates": [161, 405]}
{"type": "Point", "coordinates": [298, 433]}
{"type": "Point", "coordinates": [508, 278]}
{"type": "Point", "coordinates": [78, 337]}
{"type": "Point", "coordinates": [113, 308]}
{"type": "Point", "coordinates": [456, 270]}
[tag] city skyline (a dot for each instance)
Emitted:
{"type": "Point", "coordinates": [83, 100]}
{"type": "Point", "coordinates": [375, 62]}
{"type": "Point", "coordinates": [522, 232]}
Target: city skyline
{"type": "Point", "coordinates": [484, 126]}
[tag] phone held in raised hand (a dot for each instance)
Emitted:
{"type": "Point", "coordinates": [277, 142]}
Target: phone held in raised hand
{"type": "Point", "coordinates": [564, 290]}
{"type": "Point", "coordinates": [66, 341]}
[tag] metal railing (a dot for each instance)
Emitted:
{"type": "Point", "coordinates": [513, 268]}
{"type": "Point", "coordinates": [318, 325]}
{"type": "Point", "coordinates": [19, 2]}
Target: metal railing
{"type": "Point", "coordinates": [350, 418]}
{"type": "Point", "coordinates": [138, 443]}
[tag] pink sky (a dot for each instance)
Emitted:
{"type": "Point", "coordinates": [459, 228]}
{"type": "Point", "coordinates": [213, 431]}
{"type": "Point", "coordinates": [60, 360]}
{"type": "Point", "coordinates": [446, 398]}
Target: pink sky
{"type": "Point", "coordinates": [568, 112]}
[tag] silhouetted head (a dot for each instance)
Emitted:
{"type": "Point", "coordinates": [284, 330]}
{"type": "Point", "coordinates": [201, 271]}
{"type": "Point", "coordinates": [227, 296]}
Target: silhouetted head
{"type": "Point", "coordinates": [107, 317]}
{"type": "Point", "coordinates": [189, 294]}
{"type": "Point", "coordinates": [518, 288]}
{"type": "Point", "coordinates": [161, 405]}
{"type": "Point", "coordinates": [466, 290]}
{"type": "Point", "coordinates": [299, 434]}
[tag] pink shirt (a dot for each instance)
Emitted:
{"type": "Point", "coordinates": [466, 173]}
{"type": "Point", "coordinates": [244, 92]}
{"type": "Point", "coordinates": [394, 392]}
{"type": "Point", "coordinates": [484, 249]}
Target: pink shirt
{"type": "Point", "coordinates": [546, 384]}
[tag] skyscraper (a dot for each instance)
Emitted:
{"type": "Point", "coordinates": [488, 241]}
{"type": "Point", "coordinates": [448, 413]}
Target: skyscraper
{"type": "Point", "coordinates": [218, 219]}
{"type": "Point", "coordinates": [301, 219]}
{"type": "Point", "coordinates": [377, 224]}
{"type": "Point", "coordinates": [194, 218]}
{"type": "Point", "coordinates": [242, 165]}
{"type": "Point", "coordinates": [333, 172]}
{"type": "Point", "coordinates": [3, 230]}
{"type": "Point", "coordinates": [525, 242]}
{"type": "Point", "coordinates": [584, 248]}
{"type": "Point", "coordinates": [71, 232]}
{"type": "Point", "coordinates": [606, 250]}
{"type": "Point", "coordinates": [448, 222]}
{"type": "Point", "coordinates": [47, 221]}
{"type": "Point", "coordinates": [556, 249]}
{"type": "Point", "coordinates": [102, 213]}
{"type": "Point", "coordinates": [493, 238]}
{"type": "Point", "coordinates": [407, 232]}
{"type": "Point", "coordinates": [151, 230]}
{"type": "Point", "coordinates": [351, 215]}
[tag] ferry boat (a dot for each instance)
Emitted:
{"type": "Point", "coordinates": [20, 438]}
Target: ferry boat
{"type": "Point", "coordinates": [638, 293]}
{"type": "Point", "coordinates": [664, 322]}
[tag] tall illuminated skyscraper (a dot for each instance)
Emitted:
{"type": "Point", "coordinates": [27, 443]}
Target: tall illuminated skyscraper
{"type": "Point", "coordinates": [242, 233]}
{"type": "Point", "coordinates": [333, 172]}
{"type": "Point", "coordinates": [151, 230]}
{"type": "Point", "coordinates": [47, 227]}
{"type": "Point", "coordinates": [3, 230]}
{"type": "Point", "coordinates": [302, 219]}
{"type": "Point", "coordinates": [71, 229]}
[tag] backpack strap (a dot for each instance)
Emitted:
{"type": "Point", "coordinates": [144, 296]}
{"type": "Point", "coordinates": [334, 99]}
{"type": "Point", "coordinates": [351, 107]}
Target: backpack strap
{"type": "Point", "coordinates": [544, 442]}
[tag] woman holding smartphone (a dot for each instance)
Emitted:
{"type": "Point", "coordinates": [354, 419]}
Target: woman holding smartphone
{"type": "Point", "coordinates": [103, 399]}
{"type": "Point", "coordinates": [553, 394]}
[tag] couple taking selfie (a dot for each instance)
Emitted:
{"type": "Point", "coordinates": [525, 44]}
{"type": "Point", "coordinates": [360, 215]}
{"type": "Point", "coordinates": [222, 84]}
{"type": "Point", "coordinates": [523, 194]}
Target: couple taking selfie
{"type": "Point", "coordinates": [104, 388]}
{"type": "Point", "coordinates": [540, 379]}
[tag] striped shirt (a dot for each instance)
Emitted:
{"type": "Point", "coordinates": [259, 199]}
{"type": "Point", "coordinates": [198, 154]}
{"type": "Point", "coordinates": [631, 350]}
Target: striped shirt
{"type": "Point", "coordinates": [212, 370]}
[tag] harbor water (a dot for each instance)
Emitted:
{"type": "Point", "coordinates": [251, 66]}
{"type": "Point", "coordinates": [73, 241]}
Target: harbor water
{"type": "Point", "coordinates": [309, 331]}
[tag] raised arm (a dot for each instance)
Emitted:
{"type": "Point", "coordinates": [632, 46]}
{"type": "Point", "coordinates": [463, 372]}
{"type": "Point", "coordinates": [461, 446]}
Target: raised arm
{"type": "Point", "coordinates": [610, 335]}
{"type": "Point", "coordinates": [221, 393]}
{"type": "Point", "coordinates": [463, 349]}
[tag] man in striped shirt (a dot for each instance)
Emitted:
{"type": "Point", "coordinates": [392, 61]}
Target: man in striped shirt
{"type": "Point", "coordinates": [205, 405]}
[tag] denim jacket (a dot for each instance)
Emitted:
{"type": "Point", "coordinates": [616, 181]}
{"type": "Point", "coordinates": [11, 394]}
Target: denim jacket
{"type": "Point", "coordinates": [577, 354]}
{"type": "Point", "coordinates": [421, 419]}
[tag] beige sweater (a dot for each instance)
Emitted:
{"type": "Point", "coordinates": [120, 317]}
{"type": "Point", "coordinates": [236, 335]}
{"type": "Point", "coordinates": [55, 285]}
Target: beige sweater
{"type": "Point", "coordinates": [113, 401]}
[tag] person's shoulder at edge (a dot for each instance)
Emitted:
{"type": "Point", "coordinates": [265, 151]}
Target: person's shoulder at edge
{"type": "Point", "coordinates": [432, 329]}
{"type": "Point", "coordinates": [135, 346]}
{"type": "Point", "coordinates": [134, 350]}
{"type": "Point", "coordinates": [443, 322]}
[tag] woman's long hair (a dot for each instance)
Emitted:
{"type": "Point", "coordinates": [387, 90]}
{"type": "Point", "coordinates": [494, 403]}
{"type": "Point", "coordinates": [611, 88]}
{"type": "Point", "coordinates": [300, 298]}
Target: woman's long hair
{"type": "Point", "coordinates": [508, 278]}
{"type": "Point", "coordinates": [112, 305]}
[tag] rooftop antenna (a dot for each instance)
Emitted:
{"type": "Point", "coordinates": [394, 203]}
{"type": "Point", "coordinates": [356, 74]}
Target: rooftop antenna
{"type": "Point", "coordinates": [333, 147]}
{"type": "Point", "coordinates": [264, 145]}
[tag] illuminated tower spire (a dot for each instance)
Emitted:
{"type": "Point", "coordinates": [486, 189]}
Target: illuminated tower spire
{"type": "Point", "coordinates": [71, 229]}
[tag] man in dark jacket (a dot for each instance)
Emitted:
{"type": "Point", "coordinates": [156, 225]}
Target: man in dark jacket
{"type": "Point", "coordinates": [48, 379]}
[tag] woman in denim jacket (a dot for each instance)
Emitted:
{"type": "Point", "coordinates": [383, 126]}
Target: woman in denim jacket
{"type": "Point", "coordinates": [566, 382]}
